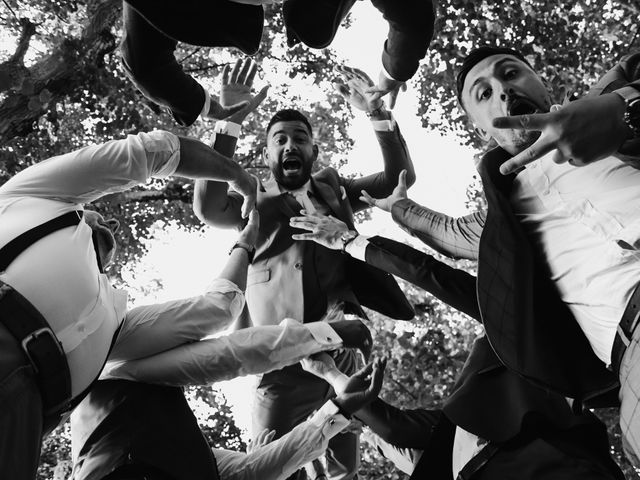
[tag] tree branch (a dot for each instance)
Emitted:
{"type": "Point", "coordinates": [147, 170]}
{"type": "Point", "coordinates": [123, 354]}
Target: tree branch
{"type": "Point", "coordinates": [28, 31]}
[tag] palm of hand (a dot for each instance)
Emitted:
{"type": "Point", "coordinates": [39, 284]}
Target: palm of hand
{"type": "Point", "coordinates": [358, 96]}
{"type": "Point", "coordinates": [234, 93]}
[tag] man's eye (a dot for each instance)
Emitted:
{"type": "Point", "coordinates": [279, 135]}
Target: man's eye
{"type": "Point", "coordinates": [281, 140]}
{"type": "Point", "coordinates": [485, 94]}
{"type": "Point", "coordinates": [510, 73]}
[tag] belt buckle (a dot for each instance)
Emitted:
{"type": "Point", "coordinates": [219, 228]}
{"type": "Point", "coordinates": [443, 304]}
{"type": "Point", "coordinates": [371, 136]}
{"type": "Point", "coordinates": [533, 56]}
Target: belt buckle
{"type": "Point", "coordinates": [36, 335]}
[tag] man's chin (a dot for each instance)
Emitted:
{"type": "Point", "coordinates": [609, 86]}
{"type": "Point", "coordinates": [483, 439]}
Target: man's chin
{"type": "Point", "coordinates": [292, 182]}
{"type": "Point", "coordinates": [519, 140]}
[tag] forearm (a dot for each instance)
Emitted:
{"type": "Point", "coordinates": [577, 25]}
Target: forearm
{"type": "Point", "coordinates": [453, 237]}
{"type": "Point", "coordinates": [396, 157]}
{"type": "Point", "coordinates": [248, 351]}
{"type": "Point", "coordinates": [149, 60]}
{"type": "Point", "coordinates": [284, 456]}
{"type": "Point", "coordinates": [201, 162]}
{"type": "Point", "coordinates": [236, 268]}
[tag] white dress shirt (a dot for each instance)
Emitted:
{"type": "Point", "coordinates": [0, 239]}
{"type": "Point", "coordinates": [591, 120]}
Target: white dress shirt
{"type": "Point", "coordinates": [284, 456]}
{"type": "Point", "coordinates": [59, 274]}
{"type": "Point", "coordinates": [586, 222]}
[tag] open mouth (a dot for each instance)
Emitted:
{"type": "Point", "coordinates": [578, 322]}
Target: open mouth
{"type": "Point", "coordinates": [521, 106]}
{"type": "Point", "coordinates": [291, 164]}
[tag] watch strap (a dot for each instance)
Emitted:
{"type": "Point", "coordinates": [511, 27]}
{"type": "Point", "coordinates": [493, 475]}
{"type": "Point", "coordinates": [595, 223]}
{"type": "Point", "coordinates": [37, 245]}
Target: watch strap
{"type": "Point", "coordinates": [250, 249]}
{"type": "Point", "coordinates": [631, 97]}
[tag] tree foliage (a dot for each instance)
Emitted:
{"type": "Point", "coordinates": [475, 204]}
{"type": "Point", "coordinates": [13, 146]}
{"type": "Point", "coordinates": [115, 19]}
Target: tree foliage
{"type": "Point", "coordinates": [62, 87]}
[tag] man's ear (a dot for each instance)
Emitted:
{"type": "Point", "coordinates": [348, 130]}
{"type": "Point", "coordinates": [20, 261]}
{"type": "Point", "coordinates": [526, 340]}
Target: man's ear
{"type": "Point", "coordinates": [316, 150]}
{"type": "Point", "coordinates": [265, 155]}
{"type": "Point", "coordinates": [481, 133]}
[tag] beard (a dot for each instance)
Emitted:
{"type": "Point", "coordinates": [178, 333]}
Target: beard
{"type": "Point", "coordinates": [292, 181]}
{"type": "Point", "coordinates": [515, 141]}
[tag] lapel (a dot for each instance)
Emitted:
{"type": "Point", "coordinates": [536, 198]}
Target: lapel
{"type": "Point", "coordinates": [285, 202]}
{"type": "Point", "coordinates": [327, 193]}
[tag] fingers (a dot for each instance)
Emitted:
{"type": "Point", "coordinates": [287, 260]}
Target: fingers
{"type": "Point", "coordinates": [343, 90]}
{"type": "Point", "coordinates": [368, 199]}
{"type": "Point", "coordinates": [377, 377]}
{"type": "Point", "coordinates": [304, 236]}
{"type": "Point", "coordinates": [225, 74]}
{"type": "Point", "coordinates": [352, 73]}
{"type": "Point", "coordinates": [246, 66]}
{"type": "Point", "coordinates": [402, 179]}
{"type": "Point", "coordinates": [365, 371]}
{"type": "Point", "coordinates": [236, 71]}
{"type": "Point", "coordinates": [536, 121]}
{"type": "Point", "coordinates": [257, 99]}
{"type": "Point", "coordinates": [254, 218]}
{"type": "Point", "coordinates": [558, 157]}
{"type": "Point", "coordinates": [302, 223]}
{"type": "Point", "coordinates": [252, 73]}
{"type": "Point", "coordinates": [539, 149]}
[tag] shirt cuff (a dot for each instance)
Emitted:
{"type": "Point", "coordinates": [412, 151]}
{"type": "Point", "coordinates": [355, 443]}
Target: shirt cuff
{"type": "Point", "coordinates": [227, 128]}
{"type": "Point", "coordinates": [207, 104]}
{"type": "Point", "coordinates": [329, 420]}
{"type": "Point", "coordinates": [628, 93]}
{"type": "Point", "coordinates": [384, 125]}
{"type": "Point", "coordinates": [224, 286]}
{"type": "Point", "coordinates": [357, 247]}
{"type": "Point", "coordinates": [324, 334]}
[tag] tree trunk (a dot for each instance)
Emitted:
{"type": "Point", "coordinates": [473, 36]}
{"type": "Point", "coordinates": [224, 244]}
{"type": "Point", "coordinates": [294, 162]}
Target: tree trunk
{"type": "Point", "coordinates": [56, 75]}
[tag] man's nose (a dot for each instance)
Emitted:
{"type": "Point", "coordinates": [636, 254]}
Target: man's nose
{"type": "Point", "coordinates": [506, 93]}
{"type": "Point", "coordinates": [290, 145]}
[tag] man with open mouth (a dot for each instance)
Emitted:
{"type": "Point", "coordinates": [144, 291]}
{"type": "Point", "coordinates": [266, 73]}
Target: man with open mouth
{"type": "Point", "coordinates": [301, 280]}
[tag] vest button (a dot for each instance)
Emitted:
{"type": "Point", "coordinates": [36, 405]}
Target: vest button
{"type": "Point", "coordinates": [298, 266]}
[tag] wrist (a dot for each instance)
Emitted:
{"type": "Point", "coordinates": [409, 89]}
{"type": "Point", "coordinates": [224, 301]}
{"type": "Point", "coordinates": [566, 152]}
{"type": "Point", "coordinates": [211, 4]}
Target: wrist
{"type": "Point", "coordinates": [244, 247]}
{"type": "Point", "coordinates": [378, 113]}
{"type": "Point", "coordinates": [338, 402]}
{"type": "Point", "coordinates": [628, 109]}
{"type": "Point", "coordinates": [346, 238]}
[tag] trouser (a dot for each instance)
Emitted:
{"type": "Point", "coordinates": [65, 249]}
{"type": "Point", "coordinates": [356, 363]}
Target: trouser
{"type": "Point", "coordinates": [21, 412]}
{"type": "Point", "coordinates": [286, 397]}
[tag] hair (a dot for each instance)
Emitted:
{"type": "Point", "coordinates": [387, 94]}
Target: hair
{"type": "Point", "coordinates": [289, 115]}
{"type": "Point", "coordinates": [476, 56]}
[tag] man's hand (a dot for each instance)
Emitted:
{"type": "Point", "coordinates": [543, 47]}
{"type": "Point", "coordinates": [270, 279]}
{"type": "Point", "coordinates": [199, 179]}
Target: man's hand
{"type": "Point", "coordinates": [236, 88]}
{"type": "Point", "coordinates": [386, 204]}
{"type": "Point", "coordinates": [387, 86]}
{"type": "Point", "coordinates": [354, 334]}
{"type": "Point", "coordinates": [249, 233]}
{"type": "Point", "coordinates": [362, 388]}
{"type": "Point", "coordinates": [320, 364]}
{"type": "Point", "coordinates": [325, 230]}
{"type": "Point", "coordinates": [247, 186]}
{"type": "Point", "coordinates": [263, 438]}
{"type": "Point", "coordinates": [355, 89]}
{"type": "Point", "coordinates": [583, 131]}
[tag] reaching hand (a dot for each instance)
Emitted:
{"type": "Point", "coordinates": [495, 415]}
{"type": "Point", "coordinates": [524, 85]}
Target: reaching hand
{"type": "Point", "coordinates": [249, 233]}
{"type": "Point", "coordinates": [236, 88]}
{"type": "Point", "coordinates": [247, 186]}
{"type": "Point", "coordinates": [387, 86]}
{"type": "Point", "coordinates": [355, 91]}
{"type": "Point", "coordinates": [399, 193]}
{"type": "Point", "coordinates": [583, 131]}
{"type": "Point", "coordinates": [354, 334]}
{"type": "Point", "coordinates": [362, 388]}
{"type": "Point", "coordinates": [326, 230]}
{"type": "Point", "coordinates": [263, 438]}
{"type": "Point", "coordinates": [320, 364]}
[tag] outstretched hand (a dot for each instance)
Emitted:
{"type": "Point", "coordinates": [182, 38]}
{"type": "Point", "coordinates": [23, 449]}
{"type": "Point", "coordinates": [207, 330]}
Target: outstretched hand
{"type": "Point", "coordinates": [362, 387]}
{"type": "Point", "coordinates": [236, 89]}
{"type": "Point", "coordinates": [247, 186]}
{"type": "Point", "coordinates": [386, 204]}
{"type": "Point", "coordinates": [387, 86]}
{"type": "Point", "coordinates": [582, 132]}
{"type": "Point", "coordinates": [325, 230]}
{"type": "Point", "coordinates": [355, 89]}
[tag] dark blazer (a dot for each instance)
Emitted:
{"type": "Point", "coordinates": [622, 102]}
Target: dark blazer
{"type": "Point", "coordinates": [534, 433]}
{"type": "Point", "coordinates": [152, 30]}
{"type": "Point", "coordinates": [123, 423]}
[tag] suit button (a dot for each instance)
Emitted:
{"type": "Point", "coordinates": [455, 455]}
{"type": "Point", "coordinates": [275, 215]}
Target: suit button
{"type": "Point", "coordinates": [298, 266]}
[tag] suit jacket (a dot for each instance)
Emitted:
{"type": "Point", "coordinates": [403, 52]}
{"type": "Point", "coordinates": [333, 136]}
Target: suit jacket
{"type": "Point", "coordinates": [121, 423]}
{"type": "Point", "coordinates": [534, 433]}
{"type": "Point", "coordinates": [222, 23]}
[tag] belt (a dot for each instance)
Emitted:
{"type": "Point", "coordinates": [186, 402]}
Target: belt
{"type": "Point", "coordinates": [40, 346]}
{"type": "Point", "coordinates": [625, 329]}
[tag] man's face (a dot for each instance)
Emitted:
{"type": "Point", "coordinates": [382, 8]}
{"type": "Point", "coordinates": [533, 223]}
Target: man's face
{"type": "Point", "coordinates": [103, 231]}
{"type": "Point", "coordinates": [290, 153]}
{"type": "Point", "coordinates": [499, 86]}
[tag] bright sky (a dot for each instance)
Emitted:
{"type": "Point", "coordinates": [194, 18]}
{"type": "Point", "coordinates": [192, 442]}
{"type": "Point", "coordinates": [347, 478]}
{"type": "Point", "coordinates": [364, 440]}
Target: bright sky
{"type": "Point", "coordinates": [184, 263]}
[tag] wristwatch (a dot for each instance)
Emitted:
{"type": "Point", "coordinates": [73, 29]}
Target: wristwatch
{"type": "Point", "coordinates": [250, 249]}
{"type": "Point", "coordinates": [347, 238]}
{"type": "Point", "coordinates": [631, 116]}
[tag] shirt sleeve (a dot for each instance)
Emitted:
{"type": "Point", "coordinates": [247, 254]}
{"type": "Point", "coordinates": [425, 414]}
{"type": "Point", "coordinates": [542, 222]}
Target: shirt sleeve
{"type": "Point", "coordinates": [150, 329]}
{"type": "Point", "coordinates": [248, 351]}
{"type": "Point", "coordinates": [87, 174]}
{"type": "Point", "coordinates": [358, 247]}
{"type": "Point", "coordinates": [281, 458]}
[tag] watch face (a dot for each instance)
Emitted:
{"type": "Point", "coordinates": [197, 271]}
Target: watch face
{"type": "Point", "coordinates": [632, 116]}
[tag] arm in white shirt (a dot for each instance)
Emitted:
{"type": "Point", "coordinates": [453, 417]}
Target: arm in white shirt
{"type": "Point", "coordinates": [282, 457]}
{"type": "Point", "coordinates": [150, 329]}
{"type": "Point", "coordinates": [244, 352]}
{"type": "Point", "coordinates": [91, 172]}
